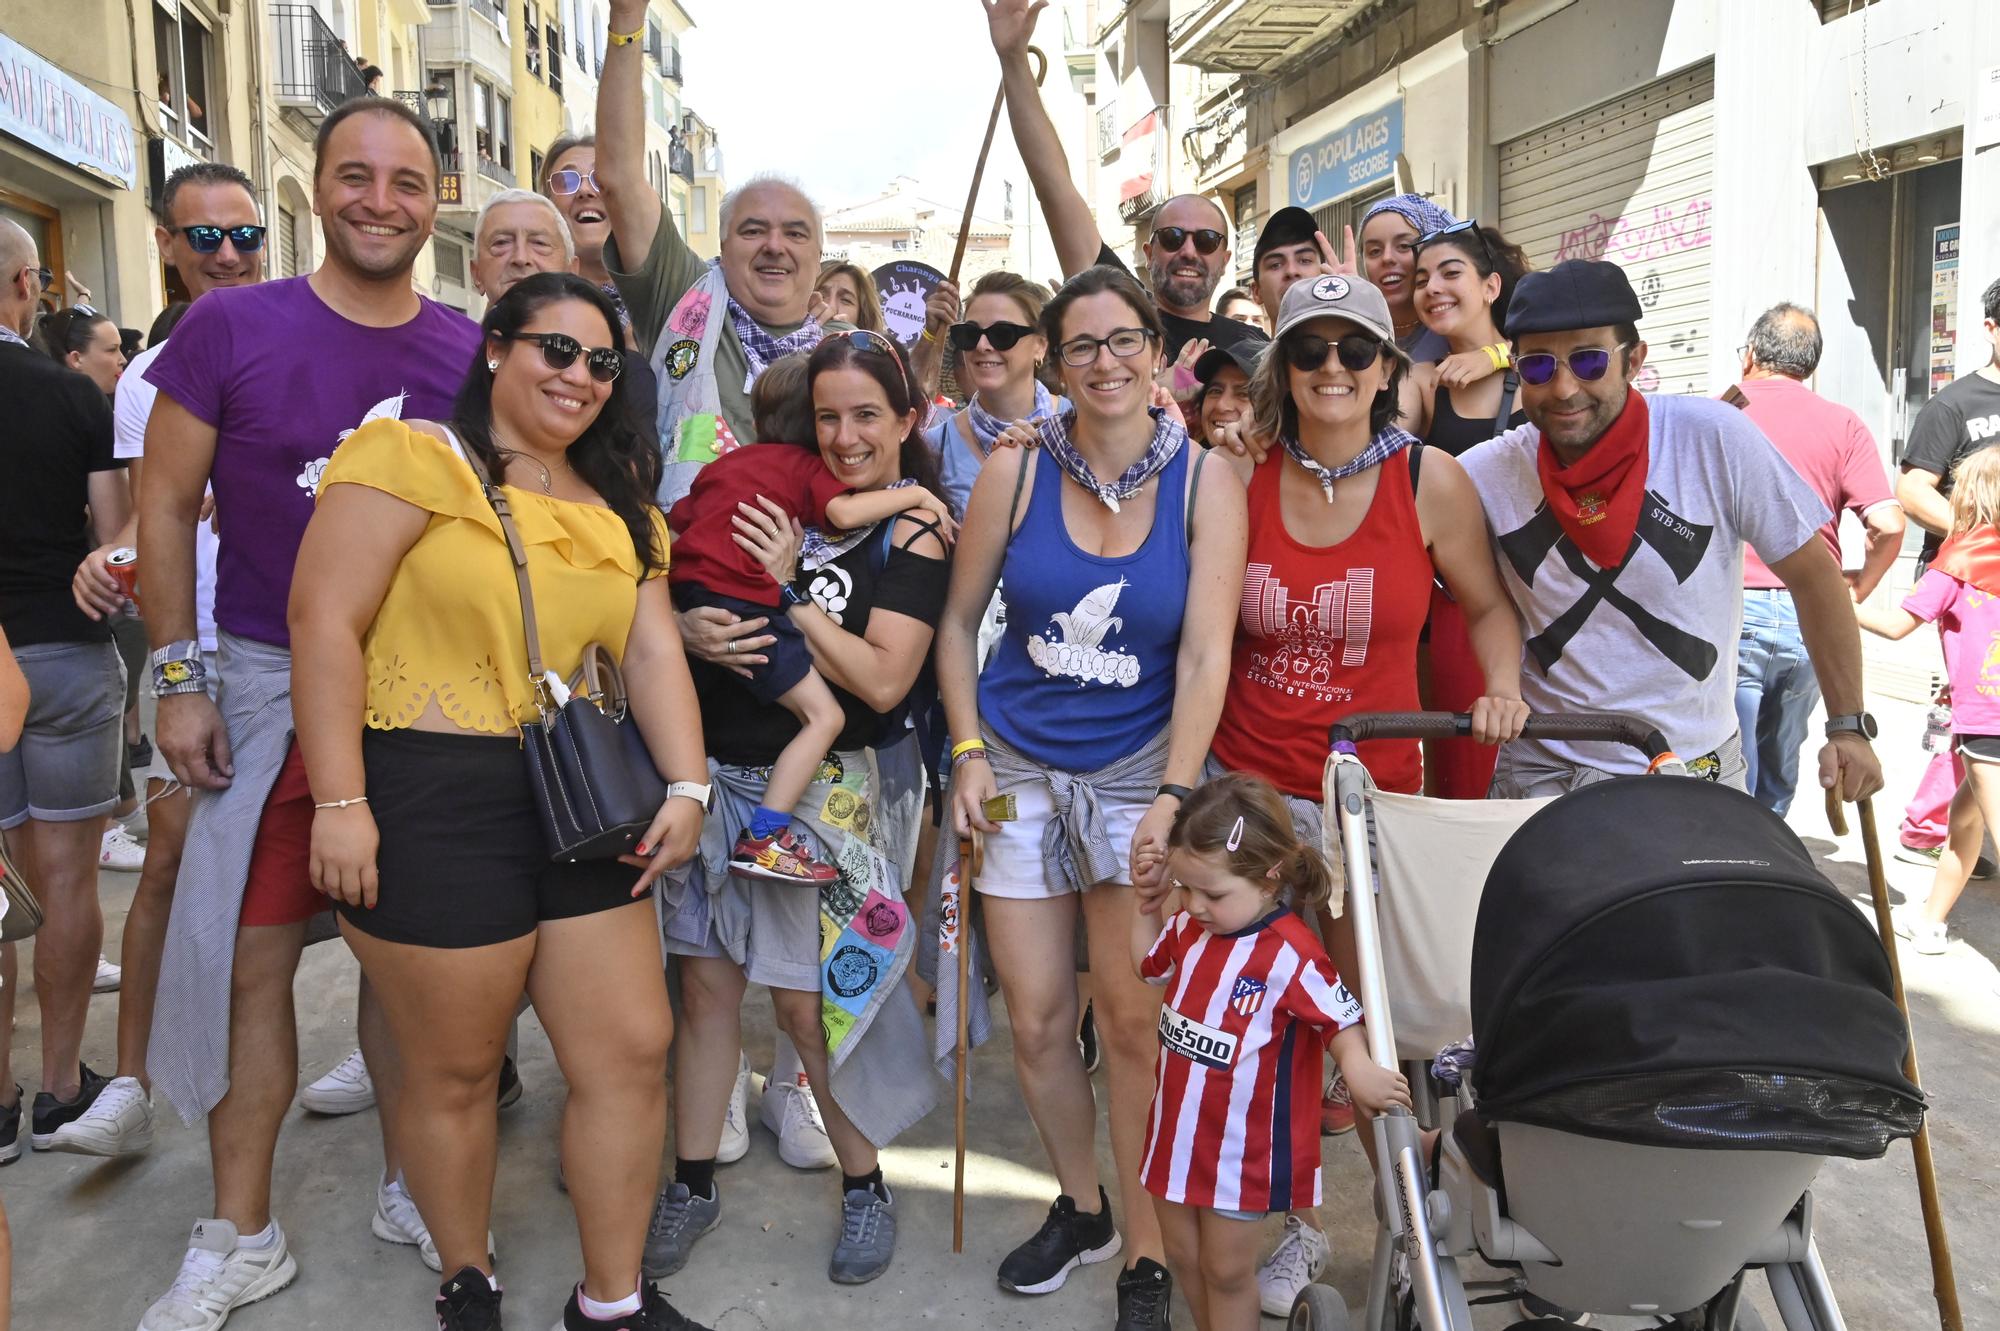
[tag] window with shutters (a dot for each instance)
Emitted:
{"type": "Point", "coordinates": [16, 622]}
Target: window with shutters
{"type": "Point", "coordinates": [288, 242]}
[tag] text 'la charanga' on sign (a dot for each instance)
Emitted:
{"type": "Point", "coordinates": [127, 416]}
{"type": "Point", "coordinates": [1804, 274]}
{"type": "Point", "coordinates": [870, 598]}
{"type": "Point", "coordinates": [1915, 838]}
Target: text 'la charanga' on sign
{"type": "Point", "coordinates": [1355, 156]}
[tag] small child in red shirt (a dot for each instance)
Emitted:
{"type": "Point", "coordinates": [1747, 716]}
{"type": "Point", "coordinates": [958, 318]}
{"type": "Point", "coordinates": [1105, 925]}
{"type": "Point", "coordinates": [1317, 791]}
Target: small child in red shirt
{"type": "Point", "coordinates": [710, 568]}
{"type": "Point", "coordinates": [1253, 1003]}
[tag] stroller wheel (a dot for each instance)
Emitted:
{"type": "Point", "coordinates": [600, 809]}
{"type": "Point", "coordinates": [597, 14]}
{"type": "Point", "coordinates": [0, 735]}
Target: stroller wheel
{"type": "Point", "coordinates": [1318, 1308]}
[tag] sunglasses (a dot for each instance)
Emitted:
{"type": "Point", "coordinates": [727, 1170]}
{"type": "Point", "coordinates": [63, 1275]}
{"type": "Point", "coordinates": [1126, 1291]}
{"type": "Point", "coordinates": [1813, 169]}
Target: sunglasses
{"type": "Point", "coordinates": [46, 276]}
{"type": "Point", "coordinates": [1588, 364]}
{"type": "Point", "coordinates": [569, 181]}
{"type": "Point", "coordinates": [1308, 351]}
{"type": "Point", "coordinates": [560, 350]}
{"type": "Point", "coordinates": [872, 342]}
{"type": "Point", "coordinates": [1125, 343]}
{"type": "Point", "coordinates": [208, 239]}
{"type": "Point", "coordinates": [1469, 226]}
{"type": "Point", "coordinates": [1171, 238]}
{"type": "Point", "coordinates": [1003, 335]}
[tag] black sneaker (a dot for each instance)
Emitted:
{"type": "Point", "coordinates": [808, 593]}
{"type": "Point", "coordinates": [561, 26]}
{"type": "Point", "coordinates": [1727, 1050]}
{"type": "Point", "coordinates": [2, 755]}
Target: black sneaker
{"type": "Point", "coordinates": [1144, 1295]}
{"type": "Point", "coordinates": [468, 1302]}
{"type": "Point", "coordinates": [1065, 1241]}
{"type": "Point", "coordinates": [510, 1084]}
{"type": "Point", "coordinates": [10, 1130]}
{"type": "Point", "coordinates": [655, 1314]}
{"type": "Point", "coordinates": [1086, 1040]}
{"type": "Point", "coordinates": [50, 1113]}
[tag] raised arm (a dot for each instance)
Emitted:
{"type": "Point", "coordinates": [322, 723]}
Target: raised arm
{"type": "Point", "coordinates": [634, 205]}
{"type": "Point", "coordinates": [1011, 23]}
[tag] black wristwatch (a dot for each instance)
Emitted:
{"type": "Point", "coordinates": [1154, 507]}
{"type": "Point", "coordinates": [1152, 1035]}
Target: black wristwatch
{"type": "Point", "coordinates": [789, 596]}
{"type": "Point", "coordinates": [1852, 723]}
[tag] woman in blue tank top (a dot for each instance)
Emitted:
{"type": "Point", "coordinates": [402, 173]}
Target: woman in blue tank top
{"type": "Point", "coordinates": [1122, 563]}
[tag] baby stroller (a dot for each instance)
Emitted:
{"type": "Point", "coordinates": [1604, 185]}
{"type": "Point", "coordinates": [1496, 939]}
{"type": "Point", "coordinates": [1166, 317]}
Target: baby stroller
{"type": "Point", "coordinates": [1676, 1018]}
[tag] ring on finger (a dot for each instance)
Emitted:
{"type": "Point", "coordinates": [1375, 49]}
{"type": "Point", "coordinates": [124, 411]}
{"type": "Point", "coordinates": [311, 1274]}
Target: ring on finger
{"type": "Point", "coordinates": [731, 646]}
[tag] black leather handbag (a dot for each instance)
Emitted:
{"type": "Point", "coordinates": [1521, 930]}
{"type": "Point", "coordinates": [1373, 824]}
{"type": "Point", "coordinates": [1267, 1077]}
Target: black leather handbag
{"type": "Point", "coordinates": [593, 777]}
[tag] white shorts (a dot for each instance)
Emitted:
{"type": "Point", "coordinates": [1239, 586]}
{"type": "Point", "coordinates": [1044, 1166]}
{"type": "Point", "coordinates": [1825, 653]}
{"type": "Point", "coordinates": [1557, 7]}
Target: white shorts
{"type": "Point", "coordinates": [1014, 865]}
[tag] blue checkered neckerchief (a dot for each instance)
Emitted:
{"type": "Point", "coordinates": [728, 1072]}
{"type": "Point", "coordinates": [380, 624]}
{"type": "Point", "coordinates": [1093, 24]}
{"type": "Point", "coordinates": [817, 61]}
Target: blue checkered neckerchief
{"type": "Point", "coordinates": [1168, 437]}
{"type": "Point", "coordinates": [761, 346]}
{"type": "Point", "coordinates": [986, 427]}
{"type": "Point", "coordinates": [9, 335]}
{"type": "Point", "coordinates": [1380, 449]}
{"type": "Point", "coordinates": [610, 290]}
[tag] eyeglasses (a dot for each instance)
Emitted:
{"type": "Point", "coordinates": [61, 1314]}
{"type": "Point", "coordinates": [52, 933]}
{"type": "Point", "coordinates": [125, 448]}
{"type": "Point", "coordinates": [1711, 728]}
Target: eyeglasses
{"type": "Point", "coordinates": [1588, 364]}
{"type": "Point", "coordinates": [560, 350]}
{"type": "Point", "coordinates": [875, 343]}
{"type": "Point", "coordinates": [208, 239]}
{"type": "Point", "coordinates": [569, 181]}
{"type": "Point", "coordinates": [1308, 351]}
{"type": "Point", "coordinates": [1171, 238]}
{"type": "Point", "coordinates": [1125, 343]}
{"type": "Point", "coordinates": [1469, 225]}
{"type": "Point", "coordinates": [1003, 335]}
{"type": "Point", "coordinates": [46, 276]}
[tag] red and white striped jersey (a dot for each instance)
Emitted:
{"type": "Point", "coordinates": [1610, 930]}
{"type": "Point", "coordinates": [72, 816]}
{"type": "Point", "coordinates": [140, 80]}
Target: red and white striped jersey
{"type": "Point", "coordinates": [1235, 1122]}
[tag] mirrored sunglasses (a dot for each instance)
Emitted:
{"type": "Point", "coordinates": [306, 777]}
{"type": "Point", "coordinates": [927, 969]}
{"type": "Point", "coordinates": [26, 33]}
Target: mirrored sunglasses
{"type": "Point", "coordinates": [208, 239]}
{"type": "Point", "coordinates": [1588, 364]}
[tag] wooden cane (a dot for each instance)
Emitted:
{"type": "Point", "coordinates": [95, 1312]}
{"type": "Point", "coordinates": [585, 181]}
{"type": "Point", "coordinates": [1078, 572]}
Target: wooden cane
{"type": "Point", "coordinates": [979, 168]}
{"type": "Point", "coordinates": [969, 854]}
{"type": "Point", "coordinates": [1944, 1284]}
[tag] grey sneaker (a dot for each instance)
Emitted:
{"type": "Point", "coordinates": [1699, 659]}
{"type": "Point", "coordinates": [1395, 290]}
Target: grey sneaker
{"type": "Point", "coordinates": [867, 1237]}
{"type": "Point", "coordinates": [679, 1218]}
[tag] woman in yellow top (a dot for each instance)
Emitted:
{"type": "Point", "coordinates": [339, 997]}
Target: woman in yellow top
{"type": "Point", "coordinates": [410, 683]}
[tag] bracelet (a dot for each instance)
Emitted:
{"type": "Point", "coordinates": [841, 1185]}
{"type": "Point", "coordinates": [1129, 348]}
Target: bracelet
{"type": "Point", "coordinates": [965, 746]}
{"type": "Point", "coordinates": [1500, 354]}
{"type": "Point", "coordinates": [341, 804]}
{"type": "Point", "coordinates": [626, 38]}
{"type": "Point", "coordinates": [928, 335]}
{"type": "Point", "coordinates": [967, 757]}
{"type": "Point", "coordinates": [1180, 793]}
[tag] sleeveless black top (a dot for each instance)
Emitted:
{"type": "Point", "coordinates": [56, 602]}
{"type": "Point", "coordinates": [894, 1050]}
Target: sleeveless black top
{"type": "Point", "coordinates": [1455, 433]}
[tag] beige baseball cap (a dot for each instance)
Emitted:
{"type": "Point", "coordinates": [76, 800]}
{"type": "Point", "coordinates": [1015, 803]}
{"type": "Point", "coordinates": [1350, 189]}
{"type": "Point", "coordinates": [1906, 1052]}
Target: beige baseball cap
{"type": "Point", "coordinates": [1336, 296]}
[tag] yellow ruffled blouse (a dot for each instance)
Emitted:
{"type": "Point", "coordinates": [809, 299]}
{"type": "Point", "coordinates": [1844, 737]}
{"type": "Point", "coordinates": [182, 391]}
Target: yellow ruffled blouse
{"type": "Point", "coordinates": [450, 626]}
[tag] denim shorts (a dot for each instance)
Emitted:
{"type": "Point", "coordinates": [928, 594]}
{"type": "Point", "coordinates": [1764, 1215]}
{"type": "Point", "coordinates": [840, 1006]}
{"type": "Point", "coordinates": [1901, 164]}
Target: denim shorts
{"type": "Point", "coordinates": [65, 769]}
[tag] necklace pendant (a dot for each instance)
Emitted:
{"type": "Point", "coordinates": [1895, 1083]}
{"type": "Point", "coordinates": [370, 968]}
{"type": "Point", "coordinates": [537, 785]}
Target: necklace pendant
{"type": "Point", "coordinates": [1110, 500]}
{"type": "Point", "coordinates": [1326, 485]}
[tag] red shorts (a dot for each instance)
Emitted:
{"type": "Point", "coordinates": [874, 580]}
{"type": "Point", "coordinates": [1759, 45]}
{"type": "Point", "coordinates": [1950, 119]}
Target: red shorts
{"type": "Point", "coordinates": [280, 890]}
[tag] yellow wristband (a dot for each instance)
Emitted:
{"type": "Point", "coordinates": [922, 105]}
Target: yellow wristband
{"type": "Point", "coordinates": [965, 746]}
{"type": "Point", "coordinates": [928, 335]}
{"type": "Point", "coordinates": [626, 38]}
{"type": "Point", "coordinates": [1500, 354]}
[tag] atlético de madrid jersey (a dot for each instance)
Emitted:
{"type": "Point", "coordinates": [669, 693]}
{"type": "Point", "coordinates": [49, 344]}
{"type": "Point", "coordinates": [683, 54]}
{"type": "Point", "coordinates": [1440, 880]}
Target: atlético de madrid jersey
{"type": "Point", "coordinates": [1243, 1034]}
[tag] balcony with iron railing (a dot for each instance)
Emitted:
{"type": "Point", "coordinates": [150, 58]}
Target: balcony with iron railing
{"type": "Point", "coordinates": [680, 160]}
{"type": "Point", "coordinates": [1107, 130]}
{"type": "Point", "coordinates": [314, 73]}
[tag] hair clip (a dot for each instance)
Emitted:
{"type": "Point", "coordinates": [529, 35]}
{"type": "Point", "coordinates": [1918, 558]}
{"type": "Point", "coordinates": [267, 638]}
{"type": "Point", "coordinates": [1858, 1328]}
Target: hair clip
{"type": "Point", "coordinates": [1235, 835]}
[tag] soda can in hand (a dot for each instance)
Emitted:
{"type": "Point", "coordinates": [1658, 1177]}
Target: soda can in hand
{"type": "Point", "coordinates": [124, 566]}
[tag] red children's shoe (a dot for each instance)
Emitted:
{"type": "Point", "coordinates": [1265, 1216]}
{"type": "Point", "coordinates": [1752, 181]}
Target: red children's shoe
{"type": "Point", "coordinates": [1336, 1108]}
{"type": "Point", "coordinates": [781, 859]}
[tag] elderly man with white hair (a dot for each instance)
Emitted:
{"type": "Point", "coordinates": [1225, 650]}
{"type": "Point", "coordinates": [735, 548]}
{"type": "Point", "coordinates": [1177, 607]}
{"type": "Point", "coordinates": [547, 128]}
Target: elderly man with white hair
{"type": "Point", "coordinates": [519, 233]}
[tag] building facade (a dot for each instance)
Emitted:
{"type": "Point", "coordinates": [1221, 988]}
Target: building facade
{"type": "Point", "coordinates": [903, 223]}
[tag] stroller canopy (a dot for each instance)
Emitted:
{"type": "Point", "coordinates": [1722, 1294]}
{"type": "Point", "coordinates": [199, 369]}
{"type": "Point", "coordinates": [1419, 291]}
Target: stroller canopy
{"type": "Point", "coordinates": [1657, 960]}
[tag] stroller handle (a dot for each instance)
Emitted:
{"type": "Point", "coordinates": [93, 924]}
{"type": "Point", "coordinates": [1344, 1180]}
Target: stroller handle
{"type": "Point", "coordinates": [1606, 727]}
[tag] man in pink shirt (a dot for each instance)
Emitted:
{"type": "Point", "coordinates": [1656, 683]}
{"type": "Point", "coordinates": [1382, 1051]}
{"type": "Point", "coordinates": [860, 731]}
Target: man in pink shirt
{"type": "Point", "coordinates": [1833, 452]}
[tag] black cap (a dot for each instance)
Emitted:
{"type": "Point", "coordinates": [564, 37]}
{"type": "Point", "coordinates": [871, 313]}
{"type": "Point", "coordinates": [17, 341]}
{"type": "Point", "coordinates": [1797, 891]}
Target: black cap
{"type": "Point", "coordinates": [1287, 226]}
{"type": "Point", "coordinates": [1243, 354]}
{"type": "Point", "coordinates": [1576, 293]}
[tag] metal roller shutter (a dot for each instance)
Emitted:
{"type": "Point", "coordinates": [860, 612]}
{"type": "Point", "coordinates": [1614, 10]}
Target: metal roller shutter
{"type": "Point", "coordinates": [1629, 181]}
{"type": "Point", "coordinates": [288, 242]}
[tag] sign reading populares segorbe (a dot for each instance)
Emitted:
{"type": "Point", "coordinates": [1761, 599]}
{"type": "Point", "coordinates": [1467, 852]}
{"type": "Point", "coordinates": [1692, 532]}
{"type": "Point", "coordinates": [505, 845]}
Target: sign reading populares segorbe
{"type": "Point", "coordinates": [41, 105]}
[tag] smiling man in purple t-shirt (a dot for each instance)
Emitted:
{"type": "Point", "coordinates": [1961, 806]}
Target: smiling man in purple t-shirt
{"type": "Point", "coordinates": [258, 386]}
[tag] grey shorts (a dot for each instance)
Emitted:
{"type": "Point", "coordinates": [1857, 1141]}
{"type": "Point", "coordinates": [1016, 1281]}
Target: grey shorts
{"type": "Point", "coordinates": [65, 769]}
{"type": "Point", "coordinates": [769, 929]}
{"type": "Point", "coordinates": [1526, 771]}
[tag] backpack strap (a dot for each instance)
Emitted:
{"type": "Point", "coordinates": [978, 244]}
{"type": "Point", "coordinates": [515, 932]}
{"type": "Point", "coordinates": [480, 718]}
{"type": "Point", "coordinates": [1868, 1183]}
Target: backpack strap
{"type": "Point", "coordinates": [1416, 466]}
{"type": "Point", "coordinates": [1508, 387]}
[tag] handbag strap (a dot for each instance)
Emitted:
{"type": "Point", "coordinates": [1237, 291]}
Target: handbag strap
{"type": "Point", "coordinates": [518, 552]}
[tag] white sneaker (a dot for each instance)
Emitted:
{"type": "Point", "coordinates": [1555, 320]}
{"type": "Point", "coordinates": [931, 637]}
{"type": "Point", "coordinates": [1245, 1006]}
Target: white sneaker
{"type": "Point", "coordinates": [217, 1277]}
{"type": "Point", "coordinates": [1927, 938]}
{"type": "Point", "coordinates": [735, 1142]}
{"type": "Point", "coordinates": [118, 1122]}
{"type": "Point", "coordinates": [792, 1113]}
{"type": "Point", "coordinates": [108, 977]}
{"type": "Point", "coordinates": [1296, 1262]}
{"type": "Point", "coordinates": [397, 1220]}
{"type": "Point", "coordinates": [120, 851]}
{"type": "Point", "coordinates": [346, 1090]}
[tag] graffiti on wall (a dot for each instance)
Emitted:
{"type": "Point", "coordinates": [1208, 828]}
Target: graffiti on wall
{"type": "Point", "coordinates": [1663, 230]}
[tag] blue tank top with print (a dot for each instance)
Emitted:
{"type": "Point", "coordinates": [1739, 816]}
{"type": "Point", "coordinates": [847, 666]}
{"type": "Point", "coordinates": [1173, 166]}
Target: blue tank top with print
{"type": "Point", "coordinates": [1084, 674]}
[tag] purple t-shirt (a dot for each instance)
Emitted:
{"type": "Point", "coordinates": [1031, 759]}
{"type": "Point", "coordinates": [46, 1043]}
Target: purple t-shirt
{"type": "Point", "coordinates": [283, 379]}
{"type": "Point", "coordinates": [1969, 622]}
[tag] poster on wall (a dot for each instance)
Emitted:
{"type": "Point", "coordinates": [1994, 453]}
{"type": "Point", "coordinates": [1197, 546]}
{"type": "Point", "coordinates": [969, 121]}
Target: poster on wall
{"type": "Point", "coordinates": [1944, 305]}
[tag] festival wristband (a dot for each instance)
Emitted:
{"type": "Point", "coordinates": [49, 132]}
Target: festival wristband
{"type": "Point", "coordinates": [626, 38]}
{"type": "Point", "coordinates": [1500, 354]}
{"type": "Point", "coordinates": [965, 746]}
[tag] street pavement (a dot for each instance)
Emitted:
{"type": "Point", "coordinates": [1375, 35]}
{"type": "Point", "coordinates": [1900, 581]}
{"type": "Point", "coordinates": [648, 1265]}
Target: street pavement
{"type": "Point", "coordinates": [95, 1241]}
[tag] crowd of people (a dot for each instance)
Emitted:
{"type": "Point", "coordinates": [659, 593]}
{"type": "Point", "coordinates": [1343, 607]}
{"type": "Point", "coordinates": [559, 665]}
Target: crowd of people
{"type": "Point", "coordinates": [1086, 570]}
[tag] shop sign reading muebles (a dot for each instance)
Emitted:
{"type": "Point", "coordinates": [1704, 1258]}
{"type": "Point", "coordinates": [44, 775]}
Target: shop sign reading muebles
{"type": "Point", "coordinates": [47, 108]}
{"type": "Point", "coordinates": [1355, 156]}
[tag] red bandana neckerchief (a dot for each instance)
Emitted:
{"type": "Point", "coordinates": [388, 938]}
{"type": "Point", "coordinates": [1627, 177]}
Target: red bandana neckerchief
{"type": "Point", "coordinates": [1973, 557]}
{"type": "Point", "coordinates": [1596, 499]}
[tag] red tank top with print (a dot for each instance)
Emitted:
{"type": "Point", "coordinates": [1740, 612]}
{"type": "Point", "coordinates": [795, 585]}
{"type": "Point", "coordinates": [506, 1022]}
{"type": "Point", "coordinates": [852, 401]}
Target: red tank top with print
{"type": "Point", "coordinates": [1323, 632]}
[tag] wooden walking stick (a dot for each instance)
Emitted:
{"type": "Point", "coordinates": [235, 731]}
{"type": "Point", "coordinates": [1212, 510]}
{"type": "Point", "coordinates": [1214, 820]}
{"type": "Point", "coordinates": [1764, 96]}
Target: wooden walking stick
{"type": "Point", "coordinates": [979, 168]}
{"type": "Point", "coordinates": [1944, 1285]}
{"type": "Point", "coordinates": [971, 850]}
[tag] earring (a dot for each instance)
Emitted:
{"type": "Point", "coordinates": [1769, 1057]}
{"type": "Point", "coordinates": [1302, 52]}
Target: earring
{"type": "Point", "coordinates": [492, 367]}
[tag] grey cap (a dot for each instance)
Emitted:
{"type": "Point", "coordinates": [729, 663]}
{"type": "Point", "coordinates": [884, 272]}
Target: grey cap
{"type": "Point", "coordinates": [1333, 296]}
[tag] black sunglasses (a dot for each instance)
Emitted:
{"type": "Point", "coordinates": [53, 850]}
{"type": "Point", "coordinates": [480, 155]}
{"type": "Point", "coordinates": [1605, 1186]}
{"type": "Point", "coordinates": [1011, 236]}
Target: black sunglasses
{"type": "Point", "coordinates": [560, 351]}
{"type": "Point", "coordinates": [1469, 225]}
{"type": "Point", "coordinates": [867, 340]}
{"type": "Point", "coordinates": [1308, 351]}
{"type": "Point", "coordinates": [1171, 238]}
{"type": "Point", "coordinates": [1003, 335]}
{"type": "Point", "coordinates": [1588, 364]}
{"type": "Point", "coordinates": [208, 239]}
